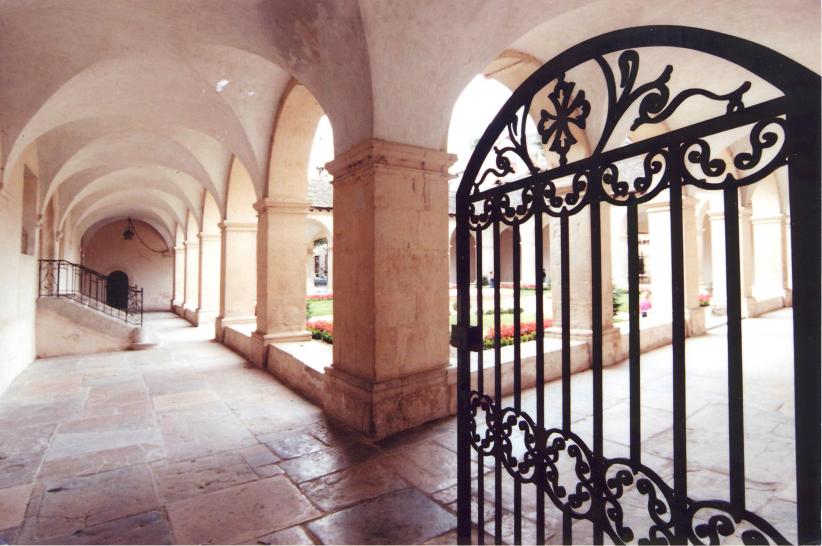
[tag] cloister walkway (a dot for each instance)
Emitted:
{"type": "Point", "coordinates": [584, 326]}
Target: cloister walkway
{"type": "Point", "coordinates": [186, 443]}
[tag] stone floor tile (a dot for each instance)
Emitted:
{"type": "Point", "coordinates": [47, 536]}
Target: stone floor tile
{"type": "Point", "coordinates": [327, 461]}
{"type": "Point", "coordinates": [183, 479]}
{"type": "Point", "coordinates": [9, 536]}
{"type": "Point", "coordinates": [426, 465]}
{"type": "Point", "coordinates": [391, 519]}
{"type": "Point", "coordinates": [240, 513]}
{"type": "Point", "coordinates": [268, 470]}
{"type": "Point", "coordinates": [292, 443]}
{"type": "Point", "coordinates": [94, 462]}
{"type": "Point", "coordinates": [202, 429]}
{"type": "Point", "coordinates": [13, 502]}
{"type": "Point", "coordinates": [265, 414]}
{"type": "Point", "coordinates": [86, 436]}
{"type": "Point", "coordinates": [185, 398]}
{"type": "Point", "coordinates": [258, 455]}
{"type": "Point", "coordinates": [21, 453]}
{"type": "Point", "coordinates": [71, 504]}
{"type": "Point", "coordinates": [146, 528]}
{"type": "Point", "coordinates": [353, 485]}
{"type": "Point", "coordinates": [292, 535]}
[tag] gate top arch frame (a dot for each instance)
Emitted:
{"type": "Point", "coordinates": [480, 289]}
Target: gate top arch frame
{"type": "Point", "coordinates": [784, 131]}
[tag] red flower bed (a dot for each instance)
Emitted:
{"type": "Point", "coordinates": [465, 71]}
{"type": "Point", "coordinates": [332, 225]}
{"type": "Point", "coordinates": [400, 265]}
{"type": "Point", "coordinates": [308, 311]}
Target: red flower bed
{"type": "Point", "coordinates": [321, 329]}
{"type": "Point", "coordinates": [527, 332]}
{"type": "Point", "coordinates": [320, 297]}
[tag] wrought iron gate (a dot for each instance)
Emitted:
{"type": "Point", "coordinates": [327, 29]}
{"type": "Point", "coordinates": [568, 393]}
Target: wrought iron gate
{"type": "Point", "coordinates": [505, 185]}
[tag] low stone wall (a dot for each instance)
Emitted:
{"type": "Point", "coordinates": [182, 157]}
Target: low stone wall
{"type": "Point", "coordinates": [65, 327]}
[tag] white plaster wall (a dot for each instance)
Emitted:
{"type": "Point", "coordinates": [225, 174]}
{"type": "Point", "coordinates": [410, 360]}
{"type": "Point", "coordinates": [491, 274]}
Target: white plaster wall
{"type": "Point", "coordinates": [18, 281]}
{"type": "Point", "coordinates": [107, 251]}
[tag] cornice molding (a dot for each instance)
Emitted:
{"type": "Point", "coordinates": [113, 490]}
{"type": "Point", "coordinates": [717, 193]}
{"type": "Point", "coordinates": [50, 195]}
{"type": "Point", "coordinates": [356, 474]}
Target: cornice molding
{"type": "Point", "coordinates": [381, 154]}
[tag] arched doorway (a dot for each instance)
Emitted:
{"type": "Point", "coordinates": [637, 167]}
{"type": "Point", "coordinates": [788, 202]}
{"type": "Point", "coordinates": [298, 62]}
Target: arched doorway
{"type": "Point", "coordinates": [117, 290]}
{"type": "Point", "coordinates": [598, 85]}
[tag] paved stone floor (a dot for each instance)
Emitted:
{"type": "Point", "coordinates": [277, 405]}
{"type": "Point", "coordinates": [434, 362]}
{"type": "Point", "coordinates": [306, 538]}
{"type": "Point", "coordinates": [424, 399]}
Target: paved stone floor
{"type": "Point", "coordinates": [186, 443]}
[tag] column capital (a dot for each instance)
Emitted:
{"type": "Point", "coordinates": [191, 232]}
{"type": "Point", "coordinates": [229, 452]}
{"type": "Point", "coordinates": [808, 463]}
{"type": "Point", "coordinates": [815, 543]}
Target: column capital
{"type": "Point", "coordinates": [237, 226]}
{"type": "Point", "coordinates": [208, 236]}
{"type": "Point", "coordinates": [180, 248]}
{"type": "Point", "coordinates": [291, 206]}
{"type": "Point", "coordinates": [381, 154]}
{"type": "Point", "coordinates": [194, 243]}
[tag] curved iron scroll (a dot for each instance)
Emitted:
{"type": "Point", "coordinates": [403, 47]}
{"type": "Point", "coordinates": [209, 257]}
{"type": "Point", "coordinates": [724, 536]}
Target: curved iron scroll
{"type": "Point", "coordinates": [708, 521]}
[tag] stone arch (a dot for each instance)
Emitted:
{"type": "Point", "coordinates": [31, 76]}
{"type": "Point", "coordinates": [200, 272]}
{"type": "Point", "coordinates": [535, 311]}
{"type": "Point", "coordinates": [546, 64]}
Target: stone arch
{"type": "Point", "coordinates": [294, 131]}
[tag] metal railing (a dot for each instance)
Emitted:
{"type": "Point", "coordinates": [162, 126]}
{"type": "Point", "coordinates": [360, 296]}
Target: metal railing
{"type": "Point", "coordinates": [64, 279]}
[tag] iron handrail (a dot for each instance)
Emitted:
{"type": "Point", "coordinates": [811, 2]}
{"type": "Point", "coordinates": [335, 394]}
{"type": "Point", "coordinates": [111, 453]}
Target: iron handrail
{"type": "Point", "coordinates": [62, 278]}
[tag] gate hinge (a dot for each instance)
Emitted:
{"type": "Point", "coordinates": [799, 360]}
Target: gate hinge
{"type": "Point", "coordinates": [466, 338]}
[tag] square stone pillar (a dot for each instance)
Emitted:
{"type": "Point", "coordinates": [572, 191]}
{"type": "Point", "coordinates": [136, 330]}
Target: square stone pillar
{"type": "Point", "coordinates": [280, 275]}
{"type": "Point", "coordinates": [659, 234]}
{"type": "Point", "coordinates": [719, 301]}
{"type": "Point", "coordinates": [579, 262]}
{"type": "Point", "coordinates": [238, 274]}
{"type": "Point", "coordinates": [179, 278]}
{"type": "Point", "coordinates": [192, 279]}
{"type": "Point", "coordinates": [768, 271]}
{"type": "Point", "coordinates": [390, 288]}
{"type": "Point", "coordinates": [787, 276]}
{"type": "Point", "coordinates": [209, 289]}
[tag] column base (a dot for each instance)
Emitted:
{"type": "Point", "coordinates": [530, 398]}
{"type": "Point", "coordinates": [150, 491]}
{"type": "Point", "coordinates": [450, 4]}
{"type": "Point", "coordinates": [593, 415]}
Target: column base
{"type": "Point", "coordinates": [190, 315]}
{"type": "Point", "coordinates": [204, 316]}
{"type": "Point", "coordinates": [611, 342]}
{"type": "Point", "coordinates": [177, 309]}
{"type": "Point", "coordinates": [380, 409]}
{"type": "Point", "coordinates": [260, 343]}
{"type": "Point", "coordinates": [695, 322]}
{"type": "Point", "coordinates": [221, 322]}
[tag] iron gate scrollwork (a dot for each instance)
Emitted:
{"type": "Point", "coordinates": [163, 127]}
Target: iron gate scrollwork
{"type": "Point", "coordinates": [507, 183]}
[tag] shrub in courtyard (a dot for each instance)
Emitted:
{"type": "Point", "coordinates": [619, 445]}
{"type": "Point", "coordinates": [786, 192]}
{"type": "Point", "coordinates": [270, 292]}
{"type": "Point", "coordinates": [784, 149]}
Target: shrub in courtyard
{"type": "Point", "coordinates": [704, 300]}
{"type": "Point", "coordinates": [321, 329]}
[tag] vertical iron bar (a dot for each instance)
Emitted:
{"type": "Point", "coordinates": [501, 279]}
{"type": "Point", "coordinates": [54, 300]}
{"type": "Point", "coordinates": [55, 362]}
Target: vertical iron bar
{"type": "Point", "coordinates": [678, 345]}
{"type": "Point", "coordinates": [566, 349]}
{"type": "Point", "coordinates": [540, 368]}
{"type": "Point", "coordinates": [517, 375]}
{"type": "Point", "coordinates": [596, 360]}
{"type": "Point", "coordinates": [58, 279]}
{"type": "Point", "coordinates": [497, 386]}
{"type": "Point", "coordinates": [463, 383]}
{"type": "Point", "coordinates": [736, 434]}
{"type": "Point", "coordinates": [481, 390]}
{"type": "Point", "coordinates": [804, 173]}
{"type": "Point", "coordinates": [633, 333]}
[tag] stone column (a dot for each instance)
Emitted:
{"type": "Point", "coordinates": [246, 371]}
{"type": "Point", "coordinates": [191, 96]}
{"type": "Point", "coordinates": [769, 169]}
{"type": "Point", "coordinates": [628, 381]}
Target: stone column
{"type": "Point", "coordinates": [767, 238]}
{"type": "Point", "coordinates": [238, 274]}
{"type": "Point", "coordinates": [309, 270]}
{"type": "Point", "coordinates": [280, 275]}
{"type": "Point", "coordinates": [179, 278]}
{"type": "Point", "coordinates": [192, 279]}
{"type": "Point", "coordinates": [579, 262]}
{"type": "Point", "coordinates": [527, 253]}
{"type": "Point", "coordinates": [209, 289]}
{"type": "Point", "coordinates": [390, 287]}
{"type": "Point", "coordinates": [746, 255]}
{"type": "Point", "coordinates": [719, 301]}
{"type": "Point", "coordinates": [659, 233]}
{"type": "Point", "coordinates": [787, 279]}
{"type": "Point", "coordinates": [329, 266]}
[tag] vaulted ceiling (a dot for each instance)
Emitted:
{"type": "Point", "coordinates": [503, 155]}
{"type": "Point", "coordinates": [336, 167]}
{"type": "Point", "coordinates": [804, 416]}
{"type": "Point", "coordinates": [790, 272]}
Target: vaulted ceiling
{"type": "Point", "coordinates": [139, 108]}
